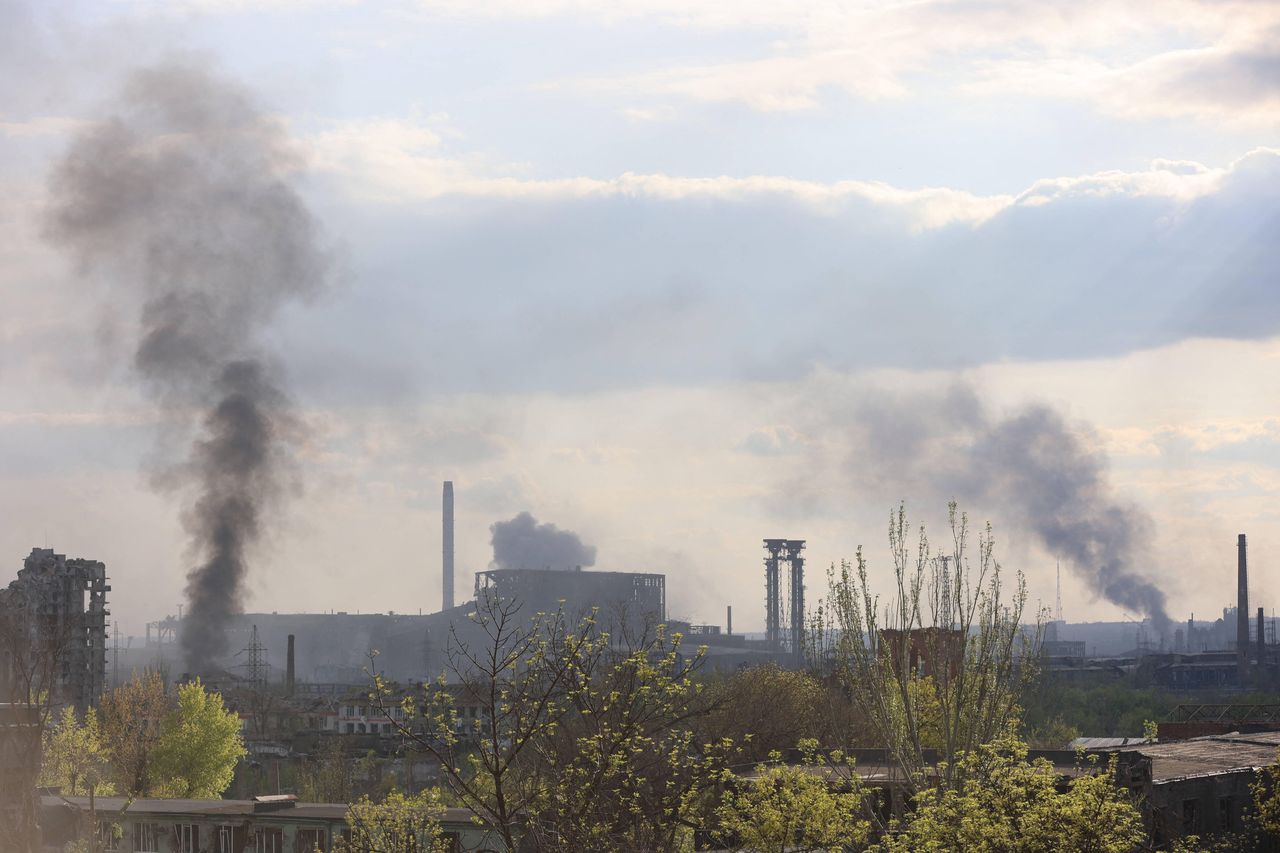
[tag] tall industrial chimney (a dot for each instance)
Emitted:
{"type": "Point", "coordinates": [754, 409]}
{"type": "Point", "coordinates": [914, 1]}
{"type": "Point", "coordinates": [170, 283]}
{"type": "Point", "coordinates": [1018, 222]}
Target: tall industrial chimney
{"type": "Point", "coordinates": [288, 668]}
{"type": "Point", "coordinates": [1261, 642]}
{"type": "Point", "coordinates": [1242, 607]}
{"type": "Point", "coordinates": [728, 618]}
{"type": "Point", "coordinates": [446, 598]}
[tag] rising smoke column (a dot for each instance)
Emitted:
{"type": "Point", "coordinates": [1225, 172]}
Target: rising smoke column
{"type": "Point", "coordinates": [1045, 477]}
{"type": "Point", "coordinates": [523, 543]}
{"type": "Point", "coordinates": [179, 200]}
{"type": "Point", "coordinates": [1053, 485]}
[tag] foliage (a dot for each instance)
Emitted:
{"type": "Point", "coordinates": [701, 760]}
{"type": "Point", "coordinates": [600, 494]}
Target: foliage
{"type": "Point", "coordinates": [813, 806]}
{"type": "Point", "coordinates": [1007, 804]}
{"type": "Point", "coordinates": [518, 676]}
{"type": "Point", "coordinates": [130, 717]}
{"type": "Point", "coordinates": [75, 758]}
{"type": "Point", "coordinates": [624, 771]}
{"type": "Point", "coordinates": [766, 708]}
{"type": "Point", "coordinates": [1054, 733]}
{"type": "Point", "coordinates": [330, 774]}
{"type": "Point", "coordinates": [1110, 710]}
{"type": "Point", "coordinates": [582, 740]}
{"type": "Point", "coordinates": [397, 824]}
{"type": "Point", "coordinates": [199, 745]}
{"type": "Point", "coordinates": [1266, 799]}
{"type": "Point", "coordinates": [948, 620]}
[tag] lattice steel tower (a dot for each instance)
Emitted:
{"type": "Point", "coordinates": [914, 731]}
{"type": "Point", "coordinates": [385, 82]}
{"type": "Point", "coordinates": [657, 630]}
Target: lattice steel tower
{"type": "Point", "coordinates": [783, 632]}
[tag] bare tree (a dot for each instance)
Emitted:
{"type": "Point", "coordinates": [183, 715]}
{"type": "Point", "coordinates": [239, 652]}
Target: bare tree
{"type": "Point", "coordinates": [936, 670]}
{"type": "Point", "coordinates": [515, 681]}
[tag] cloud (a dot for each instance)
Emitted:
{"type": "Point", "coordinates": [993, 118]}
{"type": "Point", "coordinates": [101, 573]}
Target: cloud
{"type": "Point", "coordinates": [400, 161]}
{"type": "Point", "coordinates": [656, 278]}
{"type": "Point", "coordinates": [1203, 59]}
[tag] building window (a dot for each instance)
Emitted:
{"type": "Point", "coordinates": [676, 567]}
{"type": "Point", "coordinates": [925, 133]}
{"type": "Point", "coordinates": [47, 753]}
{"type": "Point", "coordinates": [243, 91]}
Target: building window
{"type": "Point", "coordinates": [311, 840]}
{"type": "Point", "coordinates": [110, 836]}
{"type": "Point", "coordinates": [188, 837]}
{"type": "Point", "coordinates": [268, 840]}
{"type": "Point", "coordinates": [146, 837]}
{"type": "Point", "coordinates": [1224, 813]}
{"type": "Point", "coordinates": [1190, 816]}
{"type": "Point", "coordinates": [225, 840]}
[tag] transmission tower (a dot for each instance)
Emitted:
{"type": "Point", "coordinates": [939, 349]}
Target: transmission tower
{"type": "Point", "coordinates": [256, 667]}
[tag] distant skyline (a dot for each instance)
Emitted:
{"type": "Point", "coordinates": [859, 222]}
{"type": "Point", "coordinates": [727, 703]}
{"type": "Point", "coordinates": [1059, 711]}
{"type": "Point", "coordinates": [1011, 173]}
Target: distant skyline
{"type": "Point", "coordinates": [637, 268]}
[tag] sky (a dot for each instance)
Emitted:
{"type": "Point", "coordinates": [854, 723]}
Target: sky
{"type": "Point", "coordinates": [681, 276]}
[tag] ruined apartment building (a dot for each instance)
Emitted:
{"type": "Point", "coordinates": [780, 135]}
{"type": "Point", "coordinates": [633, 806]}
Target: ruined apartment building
{"type": "Point", "coordinates": [54, 630]}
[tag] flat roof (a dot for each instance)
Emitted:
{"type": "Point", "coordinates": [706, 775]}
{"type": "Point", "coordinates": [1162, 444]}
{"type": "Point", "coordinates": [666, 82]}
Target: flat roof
{"type": "Point", "coordinates": [1208, 756]}
{"type": "Point", "coordinates": [227, 808]}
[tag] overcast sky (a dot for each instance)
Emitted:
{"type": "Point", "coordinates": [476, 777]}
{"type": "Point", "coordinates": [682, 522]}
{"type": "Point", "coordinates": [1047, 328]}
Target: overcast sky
{"type": "Point", "coordinates": [637, 266]}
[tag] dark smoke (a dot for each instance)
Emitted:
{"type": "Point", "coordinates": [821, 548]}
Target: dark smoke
{"type": "Point", "coordinates": [1030, 468]}
{"type": "Point", "coordinates": [523, 543]}
{"type": "Point", "coordinates": [180, 201]}
{"type": "Point", "coordinates": [1052, 484]}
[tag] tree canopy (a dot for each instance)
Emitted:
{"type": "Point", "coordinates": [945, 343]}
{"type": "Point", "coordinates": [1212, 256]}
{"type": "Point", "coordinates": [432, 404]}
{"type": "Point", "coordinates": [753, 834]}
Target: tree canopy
{"type": "Point", "coordinates": [199, 745]}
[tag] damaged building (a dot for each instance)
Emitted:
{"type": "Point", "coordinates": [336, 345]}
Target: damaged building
{"type": "Point", "coordinates": [54, 623]}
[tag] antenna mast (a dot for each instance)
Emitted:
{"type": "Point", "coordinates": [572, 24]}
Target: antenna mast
{"type": "Point", "coordinates": [1057, 616]}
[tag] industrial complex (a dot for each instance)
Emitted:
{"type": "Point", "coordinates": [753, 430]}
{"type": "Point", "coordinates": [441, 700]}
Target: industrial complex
{"type": "Point", "coordinates": [60, 601]}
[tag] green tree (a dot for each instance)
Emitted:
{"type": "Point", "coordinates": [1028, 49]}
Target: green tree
{"type": "Point", "coordinates": [578, 740]}
{"type": "Point", "coordinates": [1266, 799]}
{"type": "Point", "coordinates": [199, 745]}
{"type": "Point", "coordinates": [1005, 803]}
{"type": "Point", "coordinates": [397, 824]}
{"type": "Point", "coordinates": [817, 805]}
{"type": "Point", "coordinates": [75, 758]}
{"type": "Point", "coordinates": [625, 769]}
{"type": "Point", "coordinates": [518, 676]}
{"type": "Point", "coordinates": [934, 665]}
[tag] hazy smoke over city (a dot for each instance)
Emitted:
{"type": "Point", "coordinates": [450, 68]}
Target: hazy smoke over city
{"type": "Point", "coordinates": [1030, 469]}
{"type": "Point", "coordinates": [179, 200]}
{"type": "Point", "coordinates": [523, 543]}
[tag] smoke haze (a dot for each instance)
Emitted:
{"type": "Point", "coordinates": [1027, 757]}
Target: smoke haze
{"type": "Point", "coordinates": [523, 543]}
{"type": "Point", "coordinates": [179, 200]}
{"type": "Point", "coordinates": [1032, 469]}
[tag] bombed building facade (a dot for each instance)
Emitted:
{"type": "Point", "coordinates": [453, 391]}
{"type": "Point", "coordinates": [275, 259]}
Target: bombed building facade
{"type": "Point", "coordinates": [53, 630]}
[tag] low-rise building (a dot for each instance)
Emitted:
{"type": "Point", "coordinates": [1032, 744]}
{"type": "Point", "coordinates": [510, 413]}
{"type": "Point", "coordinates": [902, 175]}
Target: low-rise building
{"type": "Point", "coordinates": [262, 825]}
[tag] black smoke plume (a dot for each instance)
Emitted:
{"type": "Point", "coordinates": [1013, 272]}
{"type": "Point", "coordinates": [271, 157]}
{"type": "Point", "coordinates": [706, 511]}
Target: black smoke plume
{"type": "Point", "coordinates": [1031, 467]}
{"type": "Point", "coordinates": [180, 201]}
{"type": "Point", "coordinates": [523, 543]}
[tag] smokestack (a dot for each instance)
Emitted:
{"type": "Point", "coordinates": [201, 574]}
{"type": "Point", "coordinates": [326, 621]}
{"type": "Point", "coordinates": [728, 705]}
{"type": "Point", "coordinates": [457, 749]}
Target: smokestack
{"type": "Point", "coordinates": [446, 597]}
{"type": "Point", "coordinates": [288, 669]}
{"type": "Point", "coordinates": [1261, 640]}
{"type": "Point", "coordinates": [1242, 607]}
{"type": "Point", "coordinates": [729, 620]}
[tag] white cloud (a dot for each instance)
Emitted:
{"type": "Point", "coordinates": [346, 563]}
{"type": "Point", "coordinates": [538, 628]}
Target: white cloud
{"type": "Point", "coordinates": [1198, 58]}
{"type": "Point", "coordinates": [41, 126]}
{"type": "Point", "coordinates": [393, 160]}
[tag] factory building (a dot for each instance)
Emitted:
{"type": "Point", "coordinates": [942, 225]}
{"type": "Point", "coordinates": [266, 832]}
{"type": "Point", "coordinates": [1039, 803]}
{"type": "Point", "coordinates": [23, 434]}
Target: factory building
{"type": "Point", "coordinates": [629, 601]}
